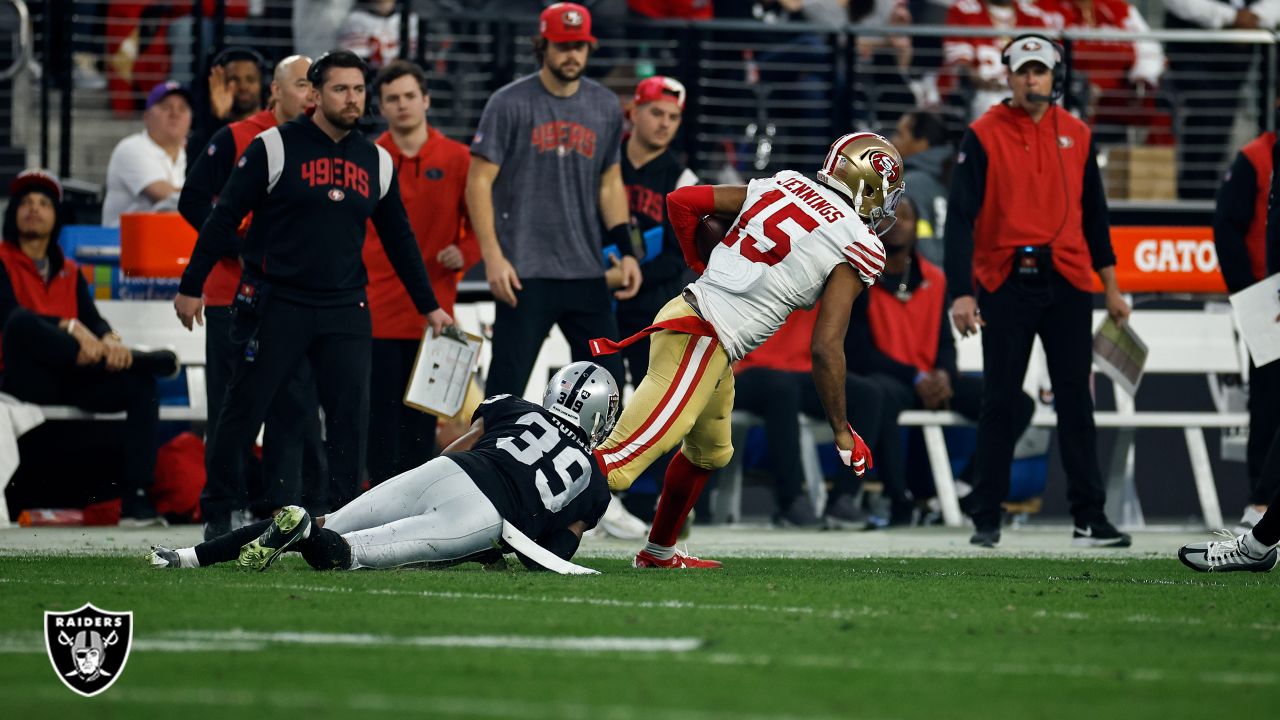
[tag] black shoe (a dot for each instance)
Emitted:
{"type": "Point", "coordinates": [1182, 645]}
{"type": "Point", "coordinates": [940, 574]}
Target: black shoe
{"type": "Point", "coordinates": [161, 363]}
{"type": "Point", "coordinates": [985, 538]}
{"type": "Point", "coordinates": [1100, 534]}
{"type": "Point", "coordinates": [217, 528]}
{"type": "Point", "coordinates": [842, 513]}
{"type": "Point", "coordinates": [799, 514]}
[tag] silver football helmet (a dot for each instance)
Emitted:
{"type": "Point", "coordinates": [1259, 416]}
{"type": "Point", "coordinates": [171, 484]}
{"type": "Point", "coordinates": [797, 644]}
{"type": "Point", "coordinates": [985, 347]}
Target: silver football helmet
{"type": "Point", "coordinates": [586, 395]}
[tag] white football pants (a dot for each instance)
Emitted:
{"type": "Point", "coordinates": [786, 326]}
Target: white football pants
{"type": "Point", "coordinates": [432, 513]}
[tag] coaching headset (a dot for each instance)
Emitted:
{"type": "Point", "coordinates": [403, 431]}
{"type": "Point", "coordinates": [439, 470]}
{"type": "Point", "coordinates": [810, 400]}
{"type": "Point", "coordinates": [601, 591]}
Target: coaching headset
{"type": "Point", "coordinates": [1059, 67]}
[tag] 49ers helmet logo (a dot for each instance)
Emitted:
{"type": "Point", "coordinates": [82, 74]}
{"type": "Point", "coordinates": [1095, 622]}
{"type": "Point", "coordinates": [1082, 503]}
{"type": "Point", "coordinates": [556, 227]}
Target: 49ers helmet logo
{"type": "Point", "coordinates": [885, 166]}
{"type": "Point", "coordinates": [571, 19]}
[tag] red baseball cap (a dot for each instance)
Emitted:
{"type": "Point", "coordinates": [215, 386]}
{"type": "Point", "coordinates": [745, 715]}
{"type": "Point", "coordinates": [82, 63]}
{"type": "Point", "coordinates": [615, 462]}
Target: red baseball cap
{"type": "Point", "coordinates": [36, 179]}
{"type": "Point", "coordinates": [566, 22]}
{"type": "Point", "coordinates": [660, 87]}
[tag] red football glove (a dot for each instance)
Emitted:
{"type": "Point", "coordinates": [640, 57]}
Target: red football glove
{"type": "Point", "coordinates": [859, 458]}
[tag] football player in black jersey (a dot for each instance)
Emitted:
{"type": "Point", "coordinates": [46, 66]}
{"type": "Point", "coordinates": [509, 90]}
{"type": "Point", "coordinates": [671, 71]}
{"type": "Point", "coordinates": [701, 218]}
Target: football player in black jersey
{"type": "Point", "coordinates": [522, 463]}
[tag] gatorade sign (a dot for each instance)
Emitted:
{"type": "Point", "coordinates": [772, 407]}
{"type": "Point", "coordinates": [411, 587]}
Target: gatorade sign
{"type": "Point", "coordinates": [1165, 259]}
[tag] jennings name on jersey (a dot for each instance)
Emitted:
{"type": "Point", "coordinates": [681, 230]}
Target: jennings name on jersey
{"type": "Point", "coordinates": [535, 468]}
{"type": "Point", "coordinates": [792, 232]}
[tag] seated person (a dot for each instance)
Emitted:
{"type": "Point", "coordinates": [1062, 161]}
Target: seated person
{"type": "Point", "coordinates": [56, 350]}
{"type": "Point", "coordinates": [973, 69]}
{"type": "Point", "coordinates": [147, 169]}
{"type": "Point", "coordinates": [527, 465]}
{"type": "Point", "coordinates": [774, 381]}
{"type": "Point", "coordinates": [900, 341]}
{"type": "Point", "coordinates": [1122, 76]}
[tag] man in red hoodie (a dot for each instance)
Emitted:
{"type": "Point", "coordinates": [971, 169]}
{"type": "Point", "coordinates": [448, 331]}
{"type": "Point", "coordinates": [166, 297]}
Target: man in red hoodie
{"type": "Point", "coordinates": [432, 171]}
{"type": "Point", "coordinates": [1026, 231]}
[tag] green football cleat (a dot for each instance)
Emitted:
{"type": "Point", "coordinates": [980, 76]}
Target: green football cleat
{"type": "Point", "coordinates": [291, 525]}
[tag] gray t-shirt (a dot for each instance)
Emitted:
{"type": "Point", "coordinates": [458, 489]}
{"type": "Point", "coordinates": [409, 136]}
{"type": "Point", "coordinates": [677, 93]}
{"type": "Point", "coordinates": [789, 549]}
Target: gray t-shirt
{"type": "Point", "coordinates": [552, 151]}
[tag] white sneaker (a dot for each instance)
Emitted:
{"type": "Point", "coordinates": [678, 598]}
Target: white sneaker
{"type": "Point", "coordinates": [1228, 555]}
{"type": "Point", "coordinates": [618, 522]}
{"type": "Point", "coordinates": [1247, 521]}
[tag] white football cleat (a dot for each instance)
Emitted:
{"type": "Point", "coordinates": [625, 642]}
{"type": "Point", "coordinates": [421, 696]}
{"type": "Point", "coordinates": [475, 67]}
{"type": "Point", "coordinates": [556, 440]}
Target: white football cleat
{"type": "Point", "coordinates": [1228, 555]}
{"type": "Point", "coordinates": [162, 558]}
{"type": "Point", "coordinates": [618, 522]}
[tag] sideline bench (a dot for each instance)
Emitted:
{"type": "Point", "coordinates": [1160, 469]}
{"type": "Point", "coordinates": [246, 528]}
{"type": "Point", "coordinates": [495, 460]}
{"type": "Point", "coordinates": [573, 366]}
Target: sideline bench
{"type": "Point", "coordinates": [1179, 342]}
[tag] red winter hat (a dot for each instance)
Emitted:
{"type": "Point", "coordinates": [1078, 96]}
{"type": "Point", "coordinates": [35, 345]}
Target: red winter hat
{"type": "Point", "coordinates": [566, 22]}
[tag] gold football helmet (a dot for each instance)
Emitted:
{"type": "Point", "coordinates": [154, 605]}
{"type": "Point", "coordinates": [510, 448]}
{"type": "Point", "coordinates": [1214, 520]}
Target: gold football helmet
{"type": "Point", "coordinates": [867, 169]}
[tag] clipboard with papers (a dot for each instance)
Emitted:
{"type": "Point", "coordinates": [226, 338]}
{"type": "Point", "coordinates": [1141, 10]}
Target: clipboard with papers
{"type": "Point", "coordinates": [442, 371]}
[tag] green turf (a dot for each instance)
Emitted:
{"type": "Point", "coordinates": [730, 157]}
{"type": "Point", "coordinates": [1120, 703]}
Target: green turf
{"type": "Point", "coordinates": [928, 638]}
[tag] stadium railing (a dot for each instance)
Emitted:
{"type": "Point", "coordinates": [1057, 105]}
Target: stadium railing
{"type": "Point", "coordinates": [762, 96]}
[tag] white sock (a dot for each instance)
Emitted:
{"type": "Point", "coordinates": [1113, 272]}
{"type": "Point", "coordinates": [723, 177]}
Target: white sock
{"type": "Point", "coordinates": [1253, 546]}
{"type": "Point", "coordinates": [187, 557]}
{"type": "Point", "coordinates": [662, 552]}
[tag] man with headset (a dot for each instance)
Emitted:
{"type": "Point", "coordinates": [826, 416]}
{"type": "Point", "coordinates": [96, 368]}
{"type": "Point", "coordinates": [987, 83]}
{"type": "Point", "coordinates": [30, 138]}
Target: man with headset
{"type": "Point", "coordinates": [1026, 229]}
{"type": "Point", "coordinates": [312, 185]}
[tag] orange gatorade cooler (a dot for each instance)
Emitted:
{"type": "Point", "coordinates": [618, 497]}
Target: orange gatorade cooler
{"type": "Point", "coordinates": [155, 244]}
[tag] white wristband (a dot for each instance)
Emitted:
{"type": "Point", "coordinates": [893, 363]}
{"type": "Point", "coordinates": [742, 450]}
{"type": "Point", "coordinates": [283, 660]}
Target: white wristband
{"type": "Point", "coordinates": [71, 326]}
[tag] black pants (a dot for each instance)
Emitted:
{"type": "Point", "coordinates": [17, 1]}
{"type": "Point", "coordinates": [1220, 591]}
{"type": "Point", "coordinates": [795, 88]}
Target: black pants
{"type": "Point", "coordinates": [582, 308]}
{"type": "Point", "coordinates": [336, 342]}
{"type": "Point", "coordinates": [966, 400]}
{"type": "Point", "coordinates": [400, 437]}
{"type": "Point", "coordinates": [40, 367]}
{"type": "Point", "coordinates": [1208, 79]}
{"type": "Point", "coordinates": [1062, 316]}
{"type": "Point", "coordinates": [1263, 453]}
{"type": "Point", "coordinates": [779, 396]}
{"type": "Point", "coordinates": [291, 444]}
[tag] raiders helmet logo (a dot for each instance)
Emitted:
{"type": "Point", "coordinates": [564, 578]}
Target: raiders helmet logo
{"type": "Point", "coordinates": [885, 166]}
{"type": "Point", "coordinates": [571, 19]}
{"type": "Point", "coordinates": [88, 647]}
{"type": "Point", "coordinates": [336, 195]}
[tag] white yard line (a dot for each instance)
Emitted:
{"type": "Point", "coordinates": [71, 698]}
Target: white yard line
{"type": "Point", "coordinates": [500, 642]}
{"type": "Point", "coordinates": [249, 641]}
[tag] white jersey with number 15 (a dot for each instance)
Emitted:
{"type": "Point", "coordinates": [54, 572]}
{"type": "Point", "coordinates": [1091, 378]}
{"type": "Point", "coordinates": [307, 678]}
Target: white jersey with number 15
{"type": "Point", "coordinates": [792, 232]}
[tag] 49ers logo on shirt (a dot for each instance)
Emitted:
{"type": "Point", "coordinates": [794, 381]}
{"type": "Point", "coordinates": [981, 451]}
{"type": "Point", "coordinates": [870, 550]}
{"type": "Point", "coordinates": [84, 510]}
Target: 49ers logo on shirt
{"type": "Point", "coordinates": [564, 137]}
{"type": "Point", "coordinates": [885, 166]}
{"type": "Point", "coordinates": [339, 173]}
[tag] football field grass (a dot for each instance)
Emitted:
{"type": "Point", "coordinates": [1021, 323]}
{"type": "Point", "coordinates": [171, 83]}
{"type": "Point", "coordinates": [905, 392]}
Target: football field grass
{"type": "Point", "coordinates": [1004, 637]}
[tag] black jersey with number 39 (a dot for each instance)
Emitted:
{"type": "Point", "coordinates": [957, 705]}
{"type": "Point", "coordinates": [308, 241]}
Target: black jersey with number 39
{"type": "Point", "coordinates": [535, 468]}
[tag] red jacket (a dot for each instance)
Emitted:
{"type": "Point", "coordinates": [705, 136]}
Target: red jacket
{"type": "Point", "coordinates": [1032, 196]}
{"type": "Point", "coordinates": [57, 298]}
{"type": "Point", "coordinates": [1258, 153]}
{"type": "Point", "coordinates": [908, 331]}
{"type": "Point", "coordinates": [220, 287]}
{"type": "Point", "coordinates": [433, 186]}
{"type": "Point", "coordinates": [788, 348]}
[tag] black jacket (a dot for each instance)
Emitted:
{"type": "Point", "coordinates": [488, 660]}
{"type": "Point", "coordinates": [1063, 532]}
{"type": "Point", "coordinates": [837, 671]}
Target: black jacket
{"type": "Point", "coordinates": [309, 227]}
{"type": "Point", "coordinates": [1273, 216]}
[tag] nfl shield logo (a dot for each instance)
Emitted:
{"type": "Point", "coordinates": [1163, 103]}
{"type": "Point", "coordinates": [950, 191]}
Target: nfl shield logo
{"type": "Point", "coordinates": [88, 647]}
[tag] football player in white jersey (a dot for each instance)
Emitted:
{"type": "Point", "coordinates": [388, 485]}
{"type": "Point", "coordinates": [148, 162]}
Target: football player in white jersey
{"type": "Point", "coordinates": [796, 240]}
